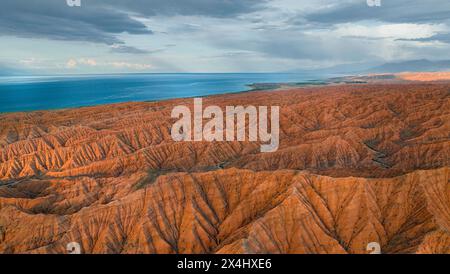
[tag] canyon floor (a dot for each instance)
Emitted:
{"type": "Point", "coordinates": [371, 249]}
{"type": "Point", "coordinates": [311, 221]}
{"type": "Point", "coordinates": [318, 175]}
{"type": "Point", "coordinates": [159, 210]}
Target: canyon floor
{"type": "Point", "coordinates": [357, 164]}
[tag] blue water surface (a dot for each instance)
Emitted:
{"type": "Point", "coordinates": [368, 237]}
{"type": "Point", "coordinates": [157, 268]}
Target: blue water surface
{"type": "Point", "coordinates": [56, 92]}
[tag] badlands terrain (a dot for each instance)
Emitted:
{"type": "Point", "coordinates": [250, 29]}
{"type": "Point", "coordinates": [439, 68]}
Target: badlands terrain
{"type": "Point", "coordinates": [356, 164]}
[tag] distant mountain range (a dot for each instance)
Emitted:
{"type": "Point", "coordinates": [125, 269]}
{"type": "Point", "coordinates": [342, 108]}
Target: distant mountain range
{"type": "Point", "coordinates": [422, 65]}
{"type": "Point", "coordinates": [413, 66]}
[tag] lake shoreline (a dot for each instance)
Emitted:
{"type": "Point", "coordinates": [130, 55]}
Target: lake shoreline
{"type": "Point", "coordinates": [25, 94]}
{"type": "Point", "coordinates": [252, 87]}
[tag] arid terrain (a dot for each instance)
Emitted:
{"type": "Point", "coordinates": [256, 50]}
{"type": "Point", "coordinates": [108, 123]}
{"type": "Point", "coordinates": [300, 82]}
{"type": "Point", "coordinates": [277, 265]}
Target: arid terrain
{"type": "Point", "coordinates": [425, 76]}
{"type": "Point", "coordinates": [357, 164]}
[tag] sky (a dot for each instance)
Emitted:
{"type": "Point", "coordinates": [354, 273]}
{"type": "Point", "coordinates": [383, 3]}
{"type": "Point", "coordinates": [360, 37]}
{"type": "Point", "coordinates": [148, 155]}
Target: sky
{"type": "Point", "coordinates": [134, 36]}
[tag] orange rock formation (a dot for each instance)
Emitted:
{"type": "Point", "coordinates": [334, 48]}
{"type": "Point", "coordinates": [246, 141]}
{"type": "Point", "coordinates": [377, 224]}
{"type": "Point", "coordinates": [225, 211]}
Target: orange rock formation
{"type": "Point", "coordinates": [356, 164]}
{"type": "Point", "coordinates": [425, 76]}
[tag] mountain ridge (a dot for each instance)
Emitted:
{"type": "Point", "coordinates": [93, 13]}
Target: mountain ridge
{"type": "Point", "coordinates": [417, 65]}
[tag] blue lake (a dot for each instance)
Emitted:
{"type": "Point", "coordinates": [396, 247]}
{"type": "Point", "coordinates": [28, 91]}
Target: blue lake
{"type": "Point", "coordinates": [56, 92]}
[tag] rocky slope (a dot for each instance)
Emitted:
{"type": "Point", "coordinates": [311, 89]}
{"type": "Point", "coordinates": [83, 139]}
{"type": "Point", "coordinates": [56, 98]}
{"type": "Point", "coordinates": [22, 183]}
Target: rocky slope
{"type": "Point", "coordinates": [356, 164]}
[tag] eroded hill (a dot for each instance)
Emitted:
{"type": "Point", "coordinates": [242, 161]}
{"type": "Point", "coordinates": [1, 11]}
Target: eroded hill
{"type": "Point", "coordinates": [356, 164]}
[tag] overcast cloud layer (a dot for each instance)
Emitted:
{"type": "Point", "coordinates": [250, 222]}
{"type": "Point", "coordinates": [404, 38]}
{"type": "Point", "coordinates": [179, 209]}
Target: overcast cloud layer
{"type": "Point", "coordinates": [101, 36]}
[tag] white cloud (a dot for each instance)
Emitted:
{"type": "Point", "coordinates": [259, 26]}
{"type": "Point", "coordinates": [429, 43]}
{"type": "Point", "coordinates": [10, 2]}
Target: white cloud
{"type": "Point", "coordinates": [72, 63]}
{"type": "Point", "coordinates": [135, 66]}
{"type": "Point", "coordinates": [28, 62]}
{"type": "Point", "coordinates": [394, 31]}
{"type": "Point", "coordinates": [88, 62]}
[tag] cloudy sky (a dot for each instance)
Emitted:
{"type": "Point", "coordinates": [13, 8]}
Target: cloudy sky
{"type": "Point", "coordinates": [107, 36]}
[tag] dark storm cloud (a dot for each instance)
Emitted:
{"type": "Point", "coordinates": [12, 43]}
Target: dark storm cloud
{"type": "Point", "coordinates": [294, 46]}
{"type": "Point", "coordinates": [53, 19]}
{"type": "Point", "coordinates": [210, 8]}
{"type": "Point", "coordinates": [309, 48]}
{"type": "Point", "coordinates": [133, 50]}
{"type": "Point", "coordinates": [100, 21]}
{"type": "Point", "coordinates": [442, 37]}
{"type": "Point", "coordinates": [128, 49]}
{"type": "Point", "coordinates": [394, 11]}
